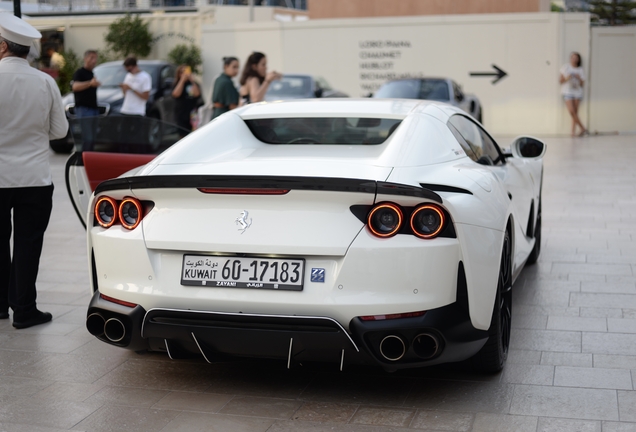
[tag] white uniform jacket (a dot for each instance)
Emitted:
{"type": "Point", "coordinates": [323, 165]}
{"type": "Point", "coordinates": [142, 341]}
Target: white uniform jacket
{"type": "Point", "coordinates": [31, 114]}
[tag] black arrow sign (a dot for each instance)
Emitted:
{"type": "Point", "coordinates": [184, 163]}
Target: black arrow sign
{"type": "Point", "coordinates": [499, 74]}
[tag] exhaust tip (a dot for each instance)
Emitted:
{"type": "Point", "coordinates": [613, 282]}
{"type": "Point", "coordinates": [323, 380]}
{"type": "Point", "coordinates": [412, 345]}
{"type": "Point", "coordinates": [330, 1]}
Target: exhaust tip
{"type": "Point", "coordinates": [95, 324]}
{"type": "Point", "coordinates": [425, 346]}
{"type": "Point", "coordinates": [114, 330]}
{"type": "Point", "coordinates": [392, 348]}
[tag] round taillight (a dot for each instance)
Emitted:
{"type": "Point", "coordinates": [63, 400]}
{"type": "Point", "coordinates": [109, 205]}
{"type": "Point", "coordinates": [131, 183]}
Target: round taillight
{"type": "Point", "coordinates": [130, 212]}
{"type": "Point", "coordinates": [427, 221]}
{"type": "Point", "coordinates": [106, 211]}
{"type": "Point", "coordinates": [385, 219]}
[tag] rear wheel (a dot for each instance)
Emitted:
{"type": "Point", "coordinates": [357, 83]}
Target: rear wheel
{"type": "Point", "coordinates": [492, 356]}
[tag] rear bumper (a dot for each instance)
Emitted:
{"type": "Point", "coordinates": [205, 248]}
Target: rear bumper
{"type": "Point", "coordinates": [441, 335]}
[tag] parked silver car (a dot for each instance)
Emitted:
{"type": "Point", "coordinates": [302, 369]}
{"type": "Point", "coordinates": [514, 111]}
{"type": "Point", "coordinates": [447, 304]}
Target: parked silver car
{"type": "Point", "coordinates": [438, 89]}
{"type": "Point", "coordinates": [298, 86]}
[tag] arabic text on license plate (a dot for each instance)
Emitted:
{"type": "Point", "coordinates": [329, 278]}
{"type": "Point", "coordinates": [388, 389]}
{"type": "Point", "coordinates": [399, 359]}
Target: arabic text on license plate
{"type": "Point", "coordinates": [243, 272]}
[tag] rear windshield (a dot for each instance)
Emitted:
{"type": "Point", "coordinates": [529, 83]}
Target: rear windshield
{"type": "Point", "coordinates": [432, 89]}
{"type": "Point", "coordinates": [329, 130]}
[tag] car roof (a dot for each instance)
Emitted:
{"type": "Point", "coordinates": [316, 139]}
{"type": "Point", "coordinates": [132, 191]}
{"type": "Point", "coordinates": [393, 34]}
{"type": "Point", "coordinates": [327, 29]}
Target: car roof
{"type": "Point", "coordinates": [139, 62]}
{"type": "Point", "coordinates": [297, 75]}
{"type": "Point", "coordinates": [420, 79]}
{"type": "Point", "coordinates": [339, 107]}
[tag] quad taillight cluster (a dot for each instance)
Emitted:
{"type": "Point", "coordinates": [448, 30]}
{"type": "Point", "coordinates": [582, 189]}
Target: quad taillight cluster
{"type": "Point", "coordinates": [426, 221]}
{"type": "Point", "coordinates": [128, 212]}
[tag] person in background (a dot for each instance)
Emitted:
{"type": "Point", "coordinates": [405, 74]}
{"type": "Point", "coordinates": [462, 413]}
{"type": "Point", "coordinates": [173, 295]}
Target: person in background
{"type": "Point", "coordinates": [31, 114]}
{"type": "Point", "coordinates": [136, 87]}
{"type": "Point", "coordinates": [572, 80]}
{"type": "Point", "coordinates": [255, 79]}
{"type": "Point", "coordinates": [186, 93]}
{"type": "Point", "coordinates": [225, 97]}
{"type": "Point", "coordinates": [56, 60]}
{"type": "Point", "coordinates": [84, 88]}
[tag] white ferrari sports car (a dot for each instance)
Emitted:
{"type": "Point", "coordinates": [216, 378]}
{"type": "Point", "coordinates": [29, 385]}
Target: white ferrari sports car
{"type": "Point", "coordinates": [349, 231]}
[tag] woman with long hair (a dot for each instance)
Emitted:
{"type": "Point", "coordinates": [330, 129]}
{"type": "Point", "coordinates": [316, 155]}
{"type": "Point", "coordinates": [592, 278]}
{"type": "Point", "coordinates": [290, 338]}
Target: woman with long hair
{"type": "Point", "coordinates": [572, 79]}
{"type": "Point", "coordinates": [225, 97]}
{"type": "Point", "coordinates": [255, 79]}
{"type": "Point", "coordinates": [186, 93]}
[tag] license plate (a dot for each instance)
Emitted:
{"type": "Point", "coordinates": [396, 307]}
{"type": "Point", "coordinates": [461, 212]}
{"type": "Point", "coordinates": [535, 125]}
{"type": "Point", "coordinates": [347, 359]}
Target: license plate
{"type": "Point", "coordinates": [243, 272]}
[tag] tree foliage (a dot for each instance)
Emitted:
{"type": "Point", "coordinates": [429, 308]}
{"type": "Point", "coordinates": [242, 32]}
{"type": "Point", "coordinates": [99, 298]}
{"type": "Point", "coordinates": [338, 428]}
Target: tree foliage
{"type": "Point", "coordinates": [555, 8]}
{"type": "Point", "coordinates": [129, 36]}
{"type": "Point", "coordinates": [71, 63]}
{"type": "Point", "coordinates": [188, 55]}
{"type": "Point", "coordinates": [613, 12]}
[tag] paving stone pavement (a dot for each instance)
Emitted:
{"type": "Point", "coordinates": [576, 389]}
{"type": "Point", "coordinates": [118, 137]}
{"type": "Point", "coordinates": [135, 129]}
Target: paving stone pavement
{"type": "Point", "coordinates": [572, 366]}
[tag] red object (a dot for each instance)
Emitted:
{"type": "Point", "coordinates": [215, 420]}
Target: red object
{"type": "Point", "coordinates": [120, 302]}
{"type": "Point", "coordinates": [122, 218]}
{"type": "Point", "coordinates": [244, 191]}
{"type": "Point", "coordinates": [53, 72]}
{"type": "Point", "coordinates": [392, 316]}
{"type": "Point", "coordinates": [105, 166]}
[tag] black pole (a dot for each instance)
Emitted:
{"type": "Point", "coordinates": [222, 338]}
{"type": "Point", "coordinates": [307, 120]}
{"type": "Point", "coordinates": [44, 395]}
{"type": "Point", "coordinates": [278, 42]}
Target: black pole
{"type": "Point", "coordinates": [17, 11]}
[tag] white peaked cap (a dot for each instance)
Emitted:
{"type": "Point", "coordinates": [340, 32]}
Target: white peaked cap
{"type": "Point", "coordinates": [17, 30]}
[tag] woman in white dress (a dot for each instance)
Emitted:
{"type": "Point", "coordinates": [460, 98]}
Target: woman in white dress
{"type": "Point", "coordinates": [572, 79]}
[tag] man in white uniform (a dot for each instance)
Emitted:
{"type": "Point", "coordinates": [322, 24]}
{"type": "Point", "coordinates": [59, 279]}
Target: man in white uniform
{"type": "Point", "coordinates": [31, 114]}
{"type": "Point", "coordinates": [136, 87]}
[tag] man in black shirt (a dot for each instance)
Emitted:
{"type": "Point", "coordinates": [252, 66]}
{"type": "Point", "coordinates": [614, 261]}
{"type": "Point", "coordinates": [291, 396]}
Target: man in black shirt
{"type": "Point", "coordinates": [85, 90]}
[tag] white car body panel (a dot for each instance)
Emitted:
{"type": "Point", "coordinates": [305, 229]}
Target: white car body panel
{"type": "Point", "coordinates": [306, 228]}
{"type": "Point", "coordinates": [364, 274]}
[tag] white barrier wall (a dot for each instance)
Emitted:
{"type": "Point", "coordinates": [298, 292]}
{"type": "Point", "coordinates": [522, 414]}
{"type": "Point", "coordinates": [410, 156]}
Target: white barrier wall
{"type": "Point", "coordinates": [613, 79]}
{"type": "Point", "coordinates": [357, 55]}
{"type": "Point", "coordinates": [87, 32]}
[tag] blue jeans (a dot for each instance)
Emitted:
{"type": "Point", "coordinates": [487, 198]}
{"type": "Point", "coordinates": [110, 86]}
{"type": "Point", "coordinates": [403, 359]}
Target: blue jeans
{"type": "Point", "coordinates": [89, 118]}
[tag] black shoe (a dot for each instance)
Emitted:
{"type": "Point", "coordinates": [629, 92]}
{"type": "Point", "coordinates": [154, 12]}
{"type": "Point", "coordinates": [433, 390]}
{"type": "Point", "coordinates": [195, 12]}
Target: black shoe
{"type": "Point", "coordinates": [36, 319]}
{"type": "Point", "coordinates": [4, 315]}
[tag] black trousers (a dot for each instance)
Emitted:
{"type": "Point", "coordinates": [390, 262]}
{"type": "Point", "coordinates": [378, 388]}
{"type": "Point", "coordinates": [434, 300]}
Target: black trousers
{"type": "Point", "coordinates": [31, 213]}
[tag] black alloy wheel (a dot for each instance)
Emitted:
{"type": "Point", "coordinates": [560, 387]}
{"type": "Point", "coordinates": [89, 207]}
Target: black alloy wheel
{"type": "Point", "coordinates": [492, 356]}
{"type": "Point", "coordinates": [504, 289]}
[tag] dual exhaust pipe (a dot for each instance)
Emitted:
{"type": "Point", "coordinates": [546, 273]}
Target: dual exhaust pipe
{"type": "Point", "coordinates": [113, 328]}
{"type": "Point", "coordinates": [425, 346]}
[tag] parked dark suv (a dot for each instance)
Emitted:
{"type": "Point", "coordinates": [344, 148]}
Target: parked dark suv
{"type": "Point", "coordinates": [110, 98]}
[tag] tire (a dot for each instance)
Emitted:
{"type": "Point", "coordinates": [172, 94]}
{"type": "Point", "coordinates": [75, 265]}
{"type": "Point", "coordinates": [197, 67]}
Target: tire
{"type": "Point", "coordinates": [536, 250]}
{"type": "Point", "coordinates": [492, 356]}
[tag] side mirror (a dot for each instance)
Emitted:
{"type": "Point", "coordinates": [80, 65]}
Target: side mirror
{"type": "Point", "coordinates": [318, 92]}
{"type": "Point", "coordinates": [527, 147]}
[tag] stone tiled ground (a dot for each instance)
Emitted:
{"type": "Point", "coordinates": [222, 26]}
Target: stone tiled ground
{"type": "Point", "coordinates": [572, 366]}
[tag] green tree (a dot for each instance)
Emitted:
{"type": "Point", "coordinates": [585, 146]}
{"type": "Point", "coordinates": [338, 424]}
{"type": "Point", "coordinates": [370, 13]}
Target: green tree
{"type": "Point", "coordinates": [188, 55]}
{"type": "Point", "coordinates": [129, 36]}
{"type": "Point", "coordinates": [71, 63]}
{"type": "Point", "coordinates": [555, 8]}
{"type": "Point", "coordinates": [613, 12]}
